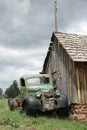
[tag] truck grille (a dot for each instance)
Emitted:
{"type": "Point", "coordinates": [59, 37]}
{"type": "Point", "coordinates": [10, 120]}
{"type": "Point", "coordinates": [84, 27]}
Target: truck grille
{"type": "Point", "coordinates": [48, 101]}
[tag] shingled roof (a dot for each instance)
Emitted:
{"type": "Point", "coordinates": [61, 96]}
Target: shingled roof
{"type": "Point", "coordinates": [75, 45]}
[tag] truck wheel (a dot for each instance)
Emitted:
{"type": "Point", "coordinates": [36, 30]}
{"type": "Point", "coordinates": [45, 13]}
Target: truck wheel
{"type": "Point", "coordinates": [11, 104]}
{"type": "Point", "coordinates": [25, 107]}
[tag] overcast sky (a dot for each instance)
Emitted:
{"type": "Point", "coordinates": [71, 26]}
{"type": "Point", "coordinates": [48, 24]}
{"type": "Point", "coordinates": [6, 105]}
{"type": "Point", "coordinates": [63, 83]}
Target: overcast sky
{"type": "Point", "coordinates": [26, 27]}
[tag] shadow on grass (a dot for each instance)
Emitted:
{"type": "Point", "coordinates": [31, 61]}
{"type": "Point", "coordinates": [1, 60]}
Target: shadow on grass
{"type": "Point", "coordinates": [60, 113]}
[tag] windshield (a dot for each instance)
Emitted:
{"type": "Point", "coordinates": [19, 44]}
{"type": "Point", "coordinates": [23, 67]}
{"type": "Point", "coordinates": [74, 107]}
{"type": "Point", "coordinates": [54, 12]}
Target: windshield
{"type": "Point", "coordinates": [38, 81]}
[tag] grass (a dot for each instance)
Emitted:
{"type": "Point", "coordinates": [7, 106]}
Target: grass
{"type": "Point", "coordinates": [16, 120]}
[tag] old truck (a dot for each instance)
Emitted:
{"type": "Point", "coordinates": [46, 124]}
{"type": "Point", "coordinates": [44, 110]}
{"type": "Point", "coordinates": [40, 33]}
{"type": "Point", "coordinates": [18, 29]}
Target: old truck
{"type": "Point", "coordinates": [37, 93]}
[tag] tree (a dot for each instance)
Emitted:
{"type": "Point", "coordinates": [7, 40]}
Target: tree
{"type": "Point", "coordinates": [13, 90]}
{"type": "Point", "coordinates": [1, 93]}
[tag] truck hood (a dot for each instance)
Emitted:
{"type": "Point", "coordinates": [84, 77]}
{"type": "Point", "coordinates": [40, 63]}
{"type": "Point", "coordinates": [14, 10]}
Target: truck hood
{"type": "Point", "coordinates": [40, 87]}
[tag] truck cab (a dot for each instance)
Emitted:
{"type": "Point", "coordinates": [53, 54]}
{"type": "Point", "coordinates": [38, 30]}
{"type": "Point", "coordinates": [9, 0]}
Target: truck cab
{"type": "Point", "coordinates": [32, 84]}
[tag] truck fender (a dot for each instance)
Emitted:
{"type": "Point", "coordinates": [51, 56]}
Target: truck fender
{"type": "Point", "coordinates": [32, 103]}
{"type": "Point", "coordinates": [61, 101]}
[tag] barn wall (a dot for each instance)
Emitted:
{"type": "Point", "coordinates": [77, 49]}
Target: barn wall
{"type": "Point", "coordinates": [63, 71]}
{"type": "Point", "coordinates": [67, 79]}
{"type": "Point", "coordinates": [48, 64]}
{"type": "Point", "coordinates": [68, 76]}
{"type": "Point", "coordinates": [81, 77]}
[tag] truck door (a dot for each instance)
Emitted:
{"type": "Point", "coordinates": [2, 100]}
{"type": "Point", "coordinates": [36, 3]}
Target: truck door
{"type": "Point", "coordinates": [22, 88]}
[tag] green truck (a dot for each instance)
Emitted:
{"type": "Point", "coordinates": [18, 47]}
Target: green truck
{"type": "Point", "coordinates": [37, 94]}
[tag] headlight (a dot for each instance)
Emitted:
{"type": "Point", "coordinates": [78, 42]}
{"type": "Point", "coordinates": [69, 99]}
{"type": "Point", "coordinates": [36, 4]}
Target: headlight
{"type": "Point", "coordinates": [38, 94]}
{"type": "Point", "coordinates": [57, 93]}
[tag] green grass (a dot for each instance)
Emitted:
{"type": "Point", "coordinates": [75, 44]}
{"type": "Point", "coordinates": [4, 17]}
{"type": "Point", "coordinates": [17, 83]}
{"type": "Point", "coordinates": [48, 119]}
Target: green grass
{"type": "Point", "coordinates": [16, 120]}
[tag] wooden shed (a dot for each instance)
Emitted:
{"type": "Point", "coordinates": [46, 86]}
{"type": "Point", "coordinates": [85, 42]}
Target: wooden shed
{"type": "Point", "coordinates": [66, 60]}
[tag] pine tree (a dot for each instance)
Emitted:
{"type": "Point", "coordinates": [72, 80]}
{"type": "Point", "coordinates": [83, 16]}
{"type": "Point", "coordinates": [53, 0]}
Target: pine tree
{"type": "Point", "coordinates": [13, 90]}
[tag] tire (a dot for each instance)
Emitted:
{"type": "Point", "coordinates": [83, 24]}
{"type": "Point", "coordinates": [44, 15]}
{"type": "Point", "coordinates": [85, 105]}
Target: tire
{"type": "Point", "coordinates": [11, 104]}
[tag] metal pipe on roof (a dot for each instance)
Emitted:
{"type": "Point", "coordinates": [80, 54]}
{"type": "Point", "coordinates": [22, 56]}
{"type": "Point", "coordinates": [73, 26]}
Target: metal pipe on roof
{"type": "Point", "coordinates": [55, 15]}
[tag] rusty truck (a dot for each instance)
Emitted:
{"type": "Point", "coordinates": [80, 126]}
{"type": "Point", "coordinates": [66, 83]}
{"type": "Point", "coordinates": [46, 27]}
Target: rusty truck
{"type": "Point", "coordinates": [37, 94]}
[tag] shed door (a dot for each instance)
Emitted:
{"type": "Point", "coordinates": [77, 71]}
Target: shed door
{"type": "Point", "coordinates": [81, 76]}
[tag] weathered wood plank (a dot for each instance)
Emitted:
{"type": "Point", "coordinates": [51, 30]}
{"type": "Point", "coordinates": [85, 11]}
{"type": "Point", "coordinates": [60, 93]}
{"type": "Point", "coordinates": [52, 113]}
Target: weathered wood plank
{"type": "Point", "coordinates": [78, 86]}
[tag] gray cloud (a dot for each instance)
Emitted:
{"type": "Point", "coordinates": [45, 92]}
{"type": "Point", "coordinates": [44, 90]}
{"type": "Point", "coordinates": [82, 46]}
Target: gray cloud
{"type": "Point", "coordinates": [71, 12]}
{"type": "Point", "coordinates": [22, 22]}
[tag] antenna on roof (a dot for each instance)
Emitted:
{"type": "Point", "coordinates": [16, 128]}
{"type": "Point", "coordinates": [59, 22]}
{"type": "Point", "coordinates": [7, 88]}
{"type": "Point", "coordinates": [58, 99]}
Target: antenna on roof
{"type": "Point", "coordinates": [55, 14]}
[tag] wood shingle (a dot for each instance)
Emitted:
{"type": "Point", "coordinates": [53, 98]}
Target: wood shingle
{"type": "Point", "coordinates": [75, 45]}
